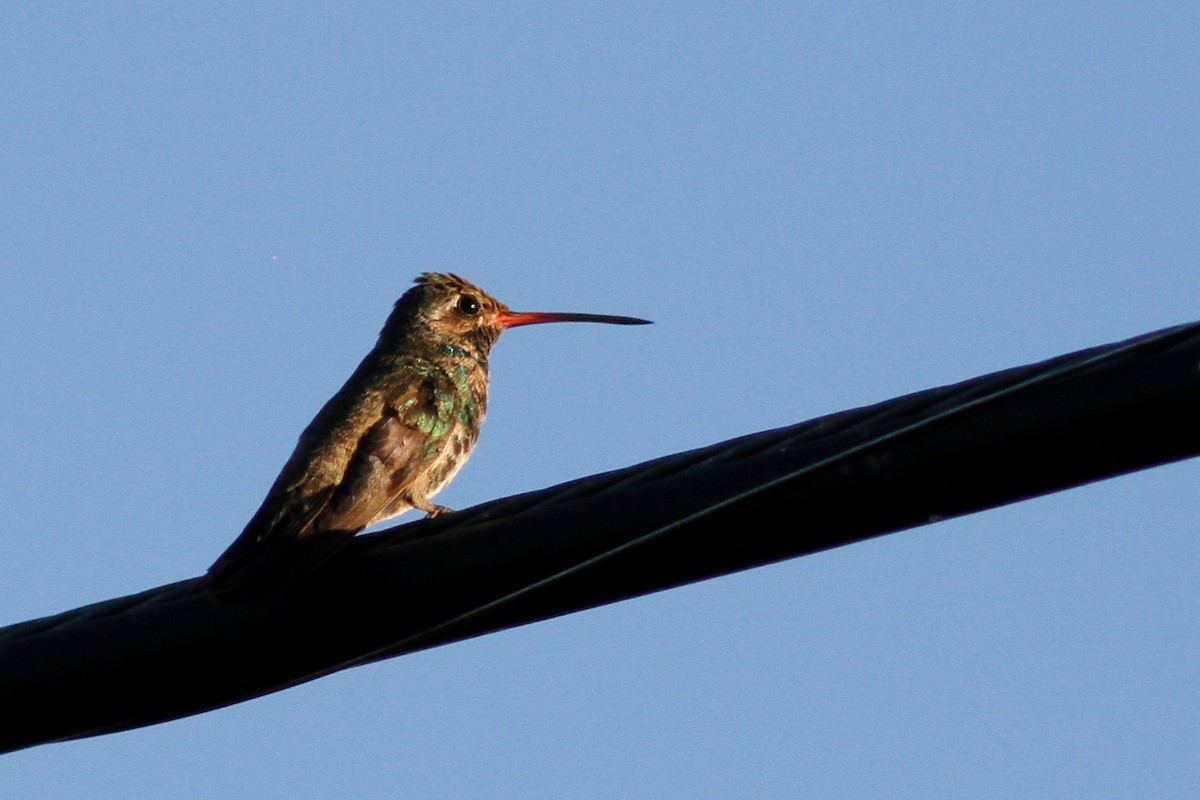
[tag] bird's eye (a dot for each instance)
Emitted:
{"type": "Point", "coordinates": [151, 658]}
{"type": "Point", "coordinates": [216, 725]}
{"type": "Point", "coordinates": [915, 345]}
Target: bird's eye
{"type": "Point", "coordinates": [468, 305]}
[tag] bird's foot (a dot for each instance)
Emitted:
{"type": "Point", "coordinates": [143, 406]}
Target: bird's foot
{"type": "Point", "coordinates": [436, 510]}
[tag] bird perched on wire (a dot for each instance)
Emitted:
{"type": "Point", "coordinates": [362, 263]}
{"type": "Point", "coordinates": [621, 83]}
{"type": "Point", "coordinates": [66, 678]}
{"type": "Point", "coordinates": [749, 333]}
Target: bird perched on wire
{"type": "Point", "coordinates": [390, 439]}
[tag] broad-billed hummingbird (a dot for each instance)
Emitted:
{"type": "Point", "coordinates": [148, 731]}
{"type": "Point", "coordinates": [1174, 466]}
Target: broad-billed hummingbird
{"type": "Point", "coordinates": [390, 439]}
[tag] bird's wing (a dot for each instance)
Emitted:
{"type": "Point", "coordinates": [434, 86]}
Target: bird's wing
{"type": "Point", "coordinates": [383, 466]}
{"type": "Point", "coordinates": [394, 454]}
{"type": "Point", "coordinates": [298, 527]}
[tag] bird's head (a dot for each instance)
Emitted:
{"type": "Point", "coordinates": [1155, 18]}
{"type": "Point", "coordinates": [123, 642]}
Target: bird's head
{"type": "Point", "coordinates": [450, 310]}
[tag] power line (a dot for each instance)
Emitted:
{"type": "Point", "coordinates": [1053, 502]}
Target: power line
{"type": "Point", "coordinates": [177, 650]}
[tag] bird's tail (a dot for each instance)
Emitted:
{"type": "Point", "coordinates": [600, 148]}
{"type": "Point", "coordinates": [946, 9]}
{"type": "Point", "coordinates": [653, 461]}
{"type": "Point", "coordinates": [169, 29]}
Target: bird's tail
{"type": "Point", "coordinates": [250, 570]}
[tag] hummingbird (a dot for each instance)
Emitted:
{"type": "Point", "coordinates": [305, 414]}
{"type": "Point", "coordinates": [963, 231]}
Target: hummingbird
{"type": "Point", "coordinates": [389, 440]}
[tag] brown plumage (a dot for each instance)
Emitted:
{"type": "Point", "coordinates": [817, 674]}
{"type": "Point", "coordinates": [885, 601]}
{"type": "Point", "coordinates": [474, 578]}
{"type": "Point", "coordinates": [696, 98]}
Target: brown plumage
{"type": "Point", "coordinates": [390, 439]}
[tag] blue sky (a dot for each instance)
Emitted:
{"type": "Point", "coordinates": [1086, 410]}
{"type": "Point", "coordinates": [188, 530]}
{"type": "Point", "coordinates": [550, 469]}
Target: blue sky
{"type": "Point", "coordinates": [208, 211]}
